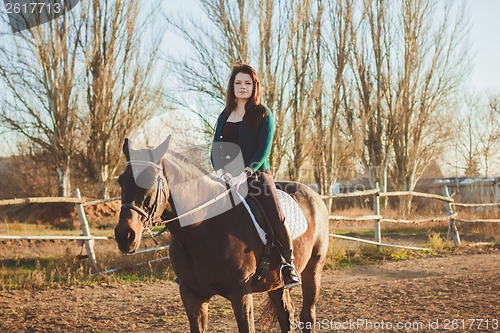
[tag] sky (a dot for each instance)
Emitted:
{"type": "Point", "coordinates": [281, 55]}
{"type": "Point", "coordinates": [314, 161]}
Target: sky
{"type": "Point", "coordinates": [485, 36]}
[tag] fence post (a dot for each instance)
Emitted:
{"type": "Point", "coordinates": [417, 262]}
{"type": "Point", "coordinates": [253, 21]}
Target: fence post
{"type": "Point", "coordinates": [452, 226]}
{"type": "Point", "coordinates": [376, 212]}
{"type": "Point", "coordinates": [84, 224]}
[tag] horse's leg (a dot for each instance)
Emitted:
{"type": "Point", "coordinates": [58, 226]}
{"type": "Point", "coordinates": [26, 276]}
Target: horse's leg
{"type": "Point", "coordinates": [196, 309]}
{"type": "Point", "coordinates": [311, 281]}
{"type": "Point", "coordinates": [243, 311]}
{"type": "Point", "coordinates": [285, 313]}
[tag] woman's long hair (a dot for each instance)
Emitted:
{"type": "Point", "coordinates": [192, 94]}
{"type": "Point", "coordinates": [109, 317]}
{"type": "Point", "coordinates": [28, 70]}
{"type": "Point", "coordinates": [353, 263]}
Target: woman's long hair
{"type": "Point", "coordinates": [254, 110]}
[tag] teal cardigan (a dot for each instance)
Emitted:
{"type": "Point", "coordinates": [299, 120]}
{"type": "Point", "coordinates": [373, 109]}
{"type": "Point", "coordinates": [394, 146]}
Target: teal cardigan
{"type": "Point", "coordinates": [255, 144]}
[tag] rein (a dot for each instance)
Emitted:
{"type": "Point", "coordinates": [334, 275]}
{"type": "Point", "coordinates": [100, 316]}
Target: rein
{"type": "Point", "coordinates": [149, 217]}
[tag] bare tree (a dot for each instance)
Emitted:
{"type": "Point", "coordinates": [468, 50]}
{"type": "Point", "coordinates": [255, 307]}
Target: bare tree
{"type": "Point", "coordinates": [468, 135]}
{"type": "Point", "coordinates": [122, 78]}
{"type": "Point", "coordinates": [332, 148]}
{"type": "Point", "coordinates": [39, 69]}
{"type": "Point", "coordinates": [217, 43]}
{"type": "Point", "coordinates": [478, 134]}
{"type": "Point", "coordinates": [273, 51]}
{"type": "Point", "coordinates": [490, 140]}
{"type": "Point", "coordinates": [372, 80]}
{"type": "Point", "coordinates": [302, 30]}
{"type": "Point", "coordinates": [371, 40]}
{"type": "Point", "coordinates": [223, 40]}
{"type": "Point", "coordinates": [407, 63]}
{"type": "Point", "coordinates": [433, 65]}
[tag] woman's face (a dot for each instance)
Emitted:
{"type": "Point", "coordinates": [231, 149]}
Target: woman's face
{"type": "Point", "coordinates": [243, 86]}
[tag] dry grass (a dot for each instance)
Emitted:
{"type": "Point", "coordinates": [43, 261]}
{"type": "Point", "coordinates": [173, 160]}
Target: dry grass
{"type": "Point", "coordinates": [22, 229]}
{"type": "Point", "coordinates": [343, 254]}
{"type": "Point", "coordinates": [436, 242]}
{"type": "Point", "coordinates": [56, 269]}
{"type": "Point", "coordinates": [28, 264]}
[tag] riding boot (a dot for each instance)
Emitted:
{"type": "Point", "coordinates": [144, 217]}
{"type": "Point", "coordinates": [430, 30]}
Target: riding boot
{"type": "Point", "coordinates": [288, 272]}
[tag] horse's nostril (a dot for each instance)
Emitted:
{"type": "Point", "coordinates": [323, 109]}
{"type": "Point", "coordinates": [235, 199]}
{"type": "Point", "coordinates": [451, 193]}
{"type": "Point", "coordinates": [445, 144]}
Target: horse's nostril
{"type": "Point", "coordinates": [131, 236]}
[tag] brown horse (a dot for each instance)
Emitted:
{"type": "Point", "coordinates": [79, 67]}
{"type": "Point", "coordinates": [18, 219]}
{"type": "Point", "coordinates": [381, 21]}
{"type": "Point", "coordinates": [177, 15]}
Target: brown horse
{"type": "Point", "coordinates": [219, 254]}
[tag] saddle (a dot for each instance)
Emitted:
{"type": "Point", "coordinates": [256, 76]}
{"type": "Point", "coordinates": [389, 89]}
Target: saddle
{"type": "Point", "coordinates": [295, 222]}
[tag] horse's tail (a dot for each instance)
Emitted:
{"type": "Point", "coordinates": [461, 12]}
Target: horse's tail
{"type": "Point", "coordinates": [287, 302]}
{"type": "Point", "coordinates": [269, 311]}
{"type": "Point", "coordinates": [268, 315]}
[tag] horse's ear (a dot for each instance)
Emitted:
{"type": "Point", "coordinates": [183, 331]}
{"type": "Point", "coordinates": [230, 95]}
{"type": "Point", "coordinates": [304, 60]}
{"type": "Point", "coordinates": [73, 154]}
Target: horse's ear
{"type": "Point", "coordinates": [127, 147]}
{"type": "Point", "coordinates": [161, 150]}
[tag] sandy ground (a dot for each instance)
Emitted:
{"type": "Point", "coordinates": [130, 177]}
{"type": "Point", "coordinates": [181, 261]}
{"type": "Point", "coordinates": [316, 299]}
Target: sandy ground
{"type": "Point", "coordinates": [458, 293]}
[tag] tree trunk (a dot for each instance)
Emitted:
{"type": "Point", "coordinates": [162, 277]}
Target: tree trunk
{"type": "Point", "coordinates": [63, 181]}
{"type": "Point", "coordinates": [103, 183]}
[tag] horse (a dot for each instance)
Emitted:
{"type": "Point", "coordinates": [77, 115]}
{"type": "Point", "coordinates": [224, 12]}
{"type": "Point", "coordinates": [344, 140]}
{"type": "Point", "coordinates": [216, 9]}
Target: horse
{"type": "Point", "coordinates": [218, 254]}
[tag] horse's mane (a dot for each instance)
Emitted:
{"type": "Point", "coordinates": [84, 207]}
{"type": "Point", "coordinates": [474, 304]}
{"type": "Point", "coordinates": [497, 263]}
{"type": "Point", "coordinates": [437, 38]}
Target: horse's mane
{"type": "Point", "coordinates": [192, 185]}
{"type": "Point", "coordinates": [187, 165]}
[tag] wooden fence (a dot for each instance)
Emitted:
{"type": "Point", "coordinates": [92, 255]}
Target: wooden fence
{"type": "Point", "coordinates": [450, 215]}
{"type": "Point", "coordinates": [88, 238]}
{"type": "Point", "coordinates": [77, 200]}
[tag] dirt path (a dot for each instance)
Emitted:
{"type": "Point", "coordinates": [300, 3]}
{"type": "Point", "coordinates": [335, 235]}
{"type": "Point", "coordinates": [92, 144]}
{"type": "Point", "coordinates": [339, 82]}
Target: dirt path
{"type": "Point", "coordinates": [450, 293]}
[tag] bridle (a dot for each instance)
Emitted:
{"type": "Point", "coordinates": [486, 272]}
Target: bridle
{"type": "Point", "coordinates": [160, 193]}
{"type": "Point", "coordinates": [154, 203]}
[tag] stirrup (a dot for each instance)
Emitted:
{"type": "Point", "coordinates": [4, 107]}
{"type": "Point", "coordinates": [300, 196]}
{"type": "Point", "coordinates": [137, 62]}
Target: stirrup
{"type": "Point", "coordinates": [293, 270]}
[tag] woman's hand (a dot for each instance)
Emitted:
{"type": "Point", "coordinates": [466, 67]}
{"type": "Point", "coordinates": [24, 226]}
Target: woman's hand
{"type": "Point", "coordinates": [223, 175]}
{"type": "Point", "coordinates": [226, 177]}
{"type": "Point", "coordinates": [238, 180]}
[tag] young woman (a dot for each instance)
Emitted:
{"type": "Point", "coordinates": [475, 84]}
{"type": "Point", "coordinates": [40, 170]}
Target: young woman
{"type": "Point", "coordinates": [249, 126]}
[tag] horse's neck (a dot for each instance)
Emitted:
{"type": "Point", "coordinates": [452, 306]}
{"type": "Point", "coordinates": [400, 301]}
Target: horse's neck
{"type": "Point", "coordinates": [189, 189]}
{"type": "Point", "coordinates": [216, 221]}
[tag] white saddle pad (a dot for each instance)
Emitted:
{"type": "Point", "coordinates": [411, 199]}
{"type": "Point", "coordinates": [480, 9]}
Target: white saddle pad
{"type": "Point", "coordinates": [295, 220]}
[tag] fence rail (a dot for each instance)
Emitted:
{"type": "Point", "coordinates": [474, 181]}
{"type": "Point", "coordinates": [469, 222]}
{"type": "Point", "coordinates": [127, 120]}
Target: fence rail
{"type": "Point", "coordinates": [451, 216]}
{"type": "Point", "coordinates": [20, 201]}
{"type": "Point", "coordinates": [95, 202]}
{"type": "Point", "coordinates": [79, 203]}
{"type": "Point", "coordinates": [380, 244]}
{"type": "Point", "coordinates": [355, 218]}
{"type": "Point", "coordinates": [416, 194]}
{"type": "Point", "coordinates": [476, 205]}
{"type": "Point", "coordinates": [53, 237]}
{"type": "Point", "coordinates": [478, 221]}
{"type": "Point", "coordinates": [430, 219]}
{"type": "Point", "coordinates": [353, 194]}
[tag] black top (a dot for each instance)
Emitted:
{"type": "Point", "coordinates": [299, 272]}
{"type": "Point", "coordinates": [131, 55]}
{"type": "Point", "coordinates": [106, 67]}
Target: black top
{"type": "Point", "coordinates": [228, 149]}
{"type": "Point", "coordinates": [231, 132]}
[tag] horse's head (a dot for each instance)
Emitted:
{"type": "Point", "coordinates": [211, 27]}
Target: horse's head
{"type": "Point", "coordinates": [144, 193]}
